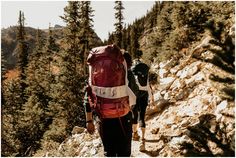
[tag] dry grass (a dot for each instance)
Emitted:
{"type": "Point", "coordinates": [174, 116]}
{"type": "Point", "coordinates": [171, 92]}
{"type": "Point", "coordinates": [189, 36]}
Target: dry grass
{"type": "Point", "coordinates": [12, 74]}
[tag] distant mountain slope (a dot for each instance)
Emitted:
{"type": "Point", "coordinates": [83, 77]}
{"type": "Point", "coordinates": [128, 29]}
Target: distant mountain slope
{"type": "Point", "coordinates": [8, 41]}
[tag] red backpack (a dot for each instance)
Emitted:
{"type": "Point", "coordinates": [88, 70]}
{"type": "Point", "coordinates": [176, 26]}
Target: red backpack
{"type": "Point", "coordinates": [108, 81]}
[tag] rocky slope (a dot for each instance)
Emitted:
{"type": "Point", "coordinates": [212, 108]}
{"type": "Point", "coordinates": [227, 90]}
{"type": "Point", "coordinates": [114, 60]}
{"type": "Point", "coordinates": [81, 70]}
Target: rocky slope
{"type": "Point", "coordinates": [190, 117]}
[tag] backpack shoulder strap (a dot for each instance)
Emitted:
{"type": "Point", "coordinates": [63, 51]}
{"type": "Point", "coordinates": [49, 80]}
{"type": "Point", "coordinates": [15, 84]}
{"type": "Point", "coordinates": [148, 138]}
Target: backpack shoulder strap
{"type": "Point", "coordinates": [132, 96]}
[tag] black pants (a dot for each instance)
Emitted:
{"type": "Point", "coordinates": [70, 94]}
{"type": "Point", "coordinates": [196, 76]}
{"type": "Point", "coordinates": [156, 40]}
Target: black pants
{"type": "Point", "coordinates": [116, 135]}
{"type": "Point", "coordinates": [139, 109]}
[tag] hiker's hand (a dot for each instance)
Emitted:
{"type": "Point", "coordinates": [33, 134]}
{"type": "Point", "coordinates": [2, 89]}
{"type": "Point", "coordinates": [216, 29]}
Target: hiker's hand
{"type": "Point", "coordinates": [152, 99]}
{"type": "Point", "coordinates": [132, 107]}
{"type": "Point", "coordinates": [90, 127]}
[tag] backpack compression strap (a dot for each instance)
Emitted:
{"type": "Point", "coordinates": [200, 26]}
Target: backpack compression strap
{"type": "Point", "coordinates": [144, 88]}
{"type": "Point", "coordinates": [132, 96]}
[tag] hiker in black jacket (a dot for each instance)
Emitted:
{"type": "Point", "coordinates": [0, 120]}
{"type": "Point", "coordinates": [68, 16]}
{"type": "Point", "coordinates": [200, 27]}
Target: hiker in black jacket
{"type": "Point", "coordinates": [116, 133]}
{"type": "Point", "coordinates": [141, 73]}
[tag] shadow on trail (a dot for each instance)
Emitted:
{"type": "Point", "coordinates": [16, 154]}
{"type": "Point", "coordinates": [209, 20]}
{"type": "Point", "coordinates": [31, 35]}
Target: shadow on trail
{"type": "Point", "coordinates": [156, 152]}
{"type": "Point", "coordinates": [153, 153]}
{"type": "Point", "coordinates": [152, 140]}
{"type": "Point", "coordinates": [158, 109]}
{"type": "Point", "coordinates": [208, 130]}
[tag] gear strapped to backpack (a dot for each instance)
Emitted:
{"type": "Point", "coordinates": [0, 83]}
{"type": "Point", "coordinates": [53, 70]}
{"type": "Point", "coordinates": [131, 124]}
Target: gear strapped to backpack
{"type": "Point", "coordinates": [110, 94]}
{"type": "Point", "coordinates": [140, 71]}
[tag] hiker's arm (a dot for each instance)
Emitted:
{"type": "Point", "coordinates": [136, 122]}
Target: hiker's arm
{"type": "Point", "coordinates": [89, 115]}
{"type": "Point", "coordinates": [86, 104]}
{"type": "Point", "coordinates": [132, 83]}
{"type": "Point", "coordinates": [89, 123]}
{"type": "Point", "coordinates": [150, 94]}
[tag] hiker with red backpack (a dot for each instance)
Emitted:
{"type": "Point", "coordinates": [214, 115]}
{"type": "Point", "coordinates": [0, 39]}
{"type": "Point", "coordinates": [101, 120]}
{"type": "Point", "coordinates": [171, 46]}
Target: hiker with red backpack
{"type": "Point", "coordinates": [141, 73]}
{"type": "Point", "coordinates": [109, 94]}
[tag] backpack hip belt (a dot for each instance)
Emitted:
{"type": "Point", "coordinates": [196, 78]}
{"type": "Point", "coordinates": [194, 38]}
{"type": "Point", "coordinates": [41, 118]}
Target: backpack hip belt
{"type": "Point", "coordinates": [110, 92]}
{"type": "Point", "coordinates": [114, 110]}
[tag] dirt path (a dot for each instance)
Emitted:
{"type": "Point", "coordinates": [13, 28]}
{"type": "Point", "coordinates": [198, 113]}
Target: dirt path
{"type": "Point", "coordinates": [152, 144]}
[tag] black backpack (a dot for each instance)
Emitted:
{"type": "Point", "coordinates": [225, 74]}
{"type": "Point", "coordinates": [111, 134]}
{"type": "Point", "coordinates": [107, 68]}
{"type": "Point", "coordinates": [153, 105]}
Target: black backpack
{"type": "Point", "coordinates": [141, 71]}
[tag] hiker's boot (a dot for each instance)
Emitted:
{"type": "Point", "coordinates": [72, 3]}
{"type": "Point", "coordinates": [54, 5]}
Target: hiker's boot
{"type": "Point", "coordinates": [135, 136]}
{"type": "Point", "coordinates": [135, 132]}
{"type": "Point", "coordinates": [135, 127]}
{"type": "Point", "coordinates": [142, 146]}
{"type": "Point", "coordinates": [143, 132]}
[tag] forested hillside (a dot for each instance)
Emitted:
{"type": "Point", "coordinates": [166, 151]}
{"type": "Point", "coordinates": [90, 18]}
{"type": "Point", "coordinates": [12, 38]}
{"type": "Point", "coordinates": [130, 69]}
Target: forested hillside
{"type": "Point", "coordinates": [43, 75]}
{"type": "Point", "coordinates": [8, 41]}
{"type": "Point", "coordinates": [189, 46]}
{"type": "Point", "coordinates": [172, 27]}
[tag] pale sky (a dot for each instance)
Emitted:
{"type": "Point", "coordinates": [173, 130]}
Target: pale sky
{"type": "Point", "coordinates": [39, 14]}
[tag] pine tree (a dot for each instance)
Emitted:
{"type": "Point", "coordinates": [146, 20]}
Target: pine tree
{"type": "Point", "coordinates": [86, 32]}
{"type": "Point", "coordinates": [154, 40]}
{"type": "Point", "coordinates": [152, 18]}
{"type": "Point", "coordinates": [36, 115]}
{"type": "Point", "coordinates": [50, 50]}
{"type": "Point", "coordinates": [111, 38]}
{"type": "Point", "coordinates": [125, 38]}
{"type": "Point", "coordinates": [3, 67]}
{"type": "Point", "coordinates": [71, 79]}
{"type": "Point", "coordinates": [3, 77]}
{"type": "Point", "coordinates": [3, 73]}
{"type": "Point", "coordinates": [11, 114]}
{"type": "Point", "coordinates": [34, 65]}
{"type": "Point", "coordinates": [67, 91]}
{"type": "Point", "coordinates": [134, 41]}
{"type": "Point", "coordinates": [14, 96]}
{"type": "Point", "coordinates": [128, 39]}
{"type": "Point", "coordinates": [119, 23]}
{"type": "Point", "coordinates": [71, 32]}
{"type": "Point", "coordinates": [22, 49]}
{"type": "Point", "coordinates": [39, 71]}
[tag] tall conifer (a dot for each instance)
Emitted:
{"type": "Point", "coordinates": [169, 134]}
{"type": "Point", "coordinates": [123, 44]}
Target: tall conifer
{"type": "Point", "coordinates": [14, 96]}
{"type": "Point", "coordinates": [36, 117]}
{"type": "Point", "coordinates": [21, 49]}
{"type": "Point", "coordinates": [119, 22]}
{"type": "Point", "coordinates": [11, 114]}
{"type": "Point", "coordinates": [134, 41]}
{"type": "Point", "coordinates": [68, 92]}
{"type": "Point", "coordinates": [86, 31]}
